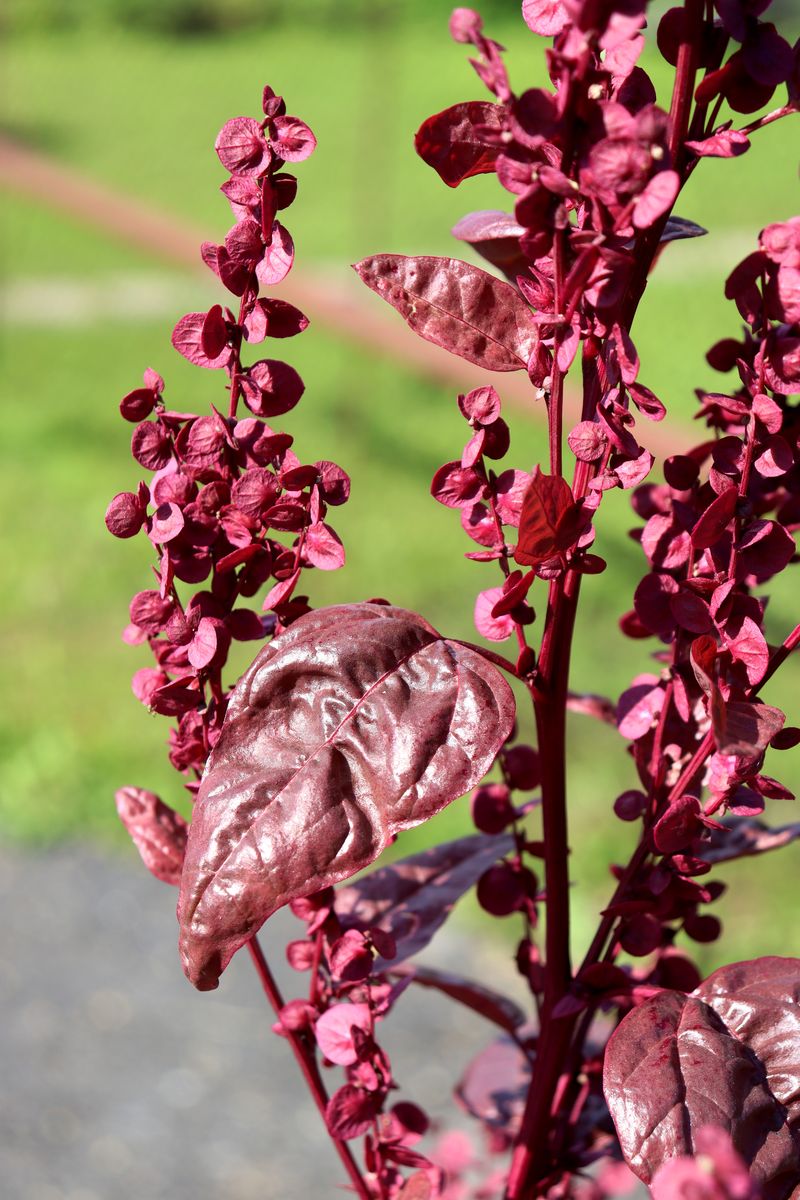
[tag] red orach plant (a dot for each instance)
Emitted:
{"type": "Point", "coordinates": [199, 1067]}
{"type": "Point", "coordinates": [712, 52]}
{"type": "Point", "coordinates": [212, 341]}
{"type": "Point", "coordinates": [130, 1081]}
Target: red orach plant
{"type": "Point", "coordinates": [356, 722]}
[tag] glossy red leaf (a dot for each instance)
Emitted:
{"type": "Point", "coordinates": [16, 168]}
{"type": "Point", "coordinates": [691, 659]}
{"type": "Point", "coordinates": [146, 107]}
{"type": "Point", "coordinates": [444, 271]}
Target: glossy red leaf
{"type": "Point", "coordinates": [357, 722]}
{"type": "Point", "coordinates": [547, 500]}
{"type": "Point", "coordinates": [456, 306]}
{"type": "Point", "coordinates": [728, 1055]}
{"type": "Point", "coordinates": [412, 898]}
{"type": "Point", "coordinates": [157, 831]}
{"type": "Point", "coordinates": [455, 142]}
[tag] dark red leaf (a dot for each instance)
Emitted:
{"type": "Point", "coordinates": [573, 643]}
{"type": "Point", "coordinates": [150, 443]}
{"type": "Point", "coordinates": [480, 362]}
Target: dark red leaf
{"type": "Point", "coordinates": [495, 236]}
{"type": "Point", "coordinates": [675, 829]}
{"type": "Point", "coordinates": [355, 723]}
{"type": "Point", "coordinates": [456, 306]}
{"type": "Point", "coordinates": [715, 520]}
{"type": "Point", "coordinates": [412, 898]}
{"type": "Point", "coordinates": [351, 1111]}
{"type": "Point", "coordinates": [744, 727]}
{"type": "Point", "coordinates": [187, 338]}
{"type": "Point", "coordinates": [729, 1054]}
{"type": "Point", "coordinates": [742, 836]}
{"type": "Point", "coordinates": [455, 142]}
{"type": "Point", "coordinates": [214, 334]}
{"type": "Point", "coordinates": [125, 515]}
{"type": "Point", "coordinates": [547, 499]}
{"type": "Point", "coordinates": [498, 1009]}
{"type": "Point", "coordinates": [158, 832]}
{"type": "Point", "coordinates": [456, 486]}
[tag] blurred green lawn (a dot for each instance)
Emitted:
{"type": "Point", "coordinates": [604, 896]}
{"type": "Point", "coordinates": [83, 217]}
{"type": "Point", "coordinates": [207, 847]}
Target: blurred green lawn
{"type": "Point", "coordinates": [141, 115]}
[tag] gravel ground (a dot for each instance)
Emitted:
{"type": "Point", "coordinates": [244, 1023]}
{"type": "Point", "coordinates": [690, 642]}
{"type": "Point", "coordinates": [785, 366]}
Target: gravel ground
{"type": "Point", "coordinates": [120, 1081]}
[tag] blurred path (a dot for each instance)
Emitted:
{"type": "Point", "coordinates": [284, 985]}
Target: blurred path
{"type": "Point", "coordinates": [338, 303]}
{"type": "Point", "coordinates": [119, 1080]}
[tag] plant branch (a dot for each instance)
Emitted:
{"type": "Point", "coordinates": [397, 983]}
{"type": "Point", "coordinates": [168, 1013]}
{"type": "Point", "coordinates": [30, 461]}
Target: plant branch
{"type": "Point", "coordinates": [307, 1064]}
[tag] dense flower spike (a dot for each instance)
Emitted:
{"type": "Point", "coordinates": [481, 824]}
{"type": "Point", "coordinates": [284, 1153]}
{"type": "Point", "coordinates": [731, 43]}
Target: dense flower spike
{"type": "Point", "coordinates": [226, 489]}
{"type": "Point", "coordinates": [362, 720]}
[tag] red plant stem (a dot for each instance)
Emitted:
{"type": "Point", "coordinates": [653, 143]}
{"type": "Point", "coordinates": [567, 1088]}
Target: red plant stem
{"type": "Point", "coordinates": [685, 72]}
{"type": "Point", "coordinates": [776, 114]}
{"type": "Point", "coordinates": [550, 694]}
{"type": "Point", "coordinates": [307, 1064]}
{"type": "Point", "coordinates": [237, 366]}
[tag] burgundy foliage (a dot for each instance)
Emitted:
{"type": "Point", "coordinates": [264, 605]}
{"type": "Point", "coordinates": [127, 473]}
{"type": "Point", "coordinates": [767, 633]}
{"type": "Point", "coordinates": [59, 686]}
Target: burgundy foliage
{"type": "Point", "coordinates": [355, 723]}
{"type": "Point", "coordinates": [728, 1055]}
{"type": "Point", "coordinates": [322, 760]}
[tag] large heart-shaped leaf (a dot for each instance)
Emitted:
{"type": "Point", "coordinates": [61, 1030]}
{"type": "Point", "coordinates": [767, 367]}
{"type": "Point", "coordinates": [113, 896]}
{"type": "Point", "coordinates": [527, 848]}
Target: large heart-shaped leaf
{"type": "Point", "coordinates": [456, 306]}
{"type": "Point", "coordinates": [357, 722]}
{"type": "Point", "coordinates": [726, 1055]}
{"type": "Point", "coordinates": [412, 898]}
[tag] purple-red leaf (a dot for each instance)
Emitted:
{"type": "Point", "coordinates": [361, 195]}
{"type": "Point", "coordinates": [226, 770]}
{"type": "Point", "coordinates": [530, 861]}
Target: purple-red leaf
{"type": "Point", "coordinates": [495, 236]}
{"type": "Point", "coordinates": [498, 1009]}
{"type": "Point", "coordinates": [412, 898]}
{"type": "Point", "coordinates": [456, 142]}
{"type": "Point", "coordinates": [727, 1055]}
{"type": "Point", "coordinates": [242, 147]}
{"type": "Point", "coordinates": [158, 832]}
{"type": "Point", "coordinates": [291, 139]}
{"type": "Point", "coordinates": [744, 727]}
{"type": "Point", "coordinates": [187, 338]}
{"type": "Point", "coordinates": [742, 836]}
{"type": "Point", "coordinates": [456, 306]}
{"type": "Point", "coordinates": [715, 520]}
{"type": "Point", "coordinates": [351, 1111]}
{"type": "Point", "coordinates": [357, 722]}
{"type": "Point", "coordinates": [547, 500]}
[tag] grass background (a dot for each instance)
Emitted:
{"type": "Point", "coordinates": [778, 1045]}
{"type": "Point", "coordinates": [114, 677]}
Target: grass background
{"type": "Point", "coordinates": [139, 111]}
